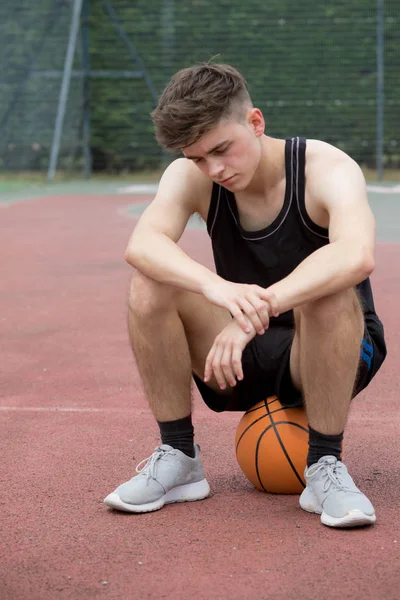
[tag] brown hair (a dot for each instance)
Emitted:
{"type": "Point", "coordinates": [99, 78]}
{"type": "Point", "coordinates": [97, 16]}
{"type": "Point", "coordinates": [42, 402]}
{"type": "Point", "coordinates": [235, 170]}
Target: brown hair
{"type": "Point", "coordinates": [195, 101]}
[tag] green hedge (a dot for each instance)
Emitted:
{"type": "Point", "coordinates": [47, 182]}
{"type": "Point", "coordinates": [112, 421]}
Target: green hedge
{"type": "Point", "coordinates": [311, 68]}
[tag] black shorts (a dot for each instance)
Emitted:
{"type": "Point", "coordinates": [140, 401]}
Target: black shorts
{"type": "Point", "coordinates": [266, 370]}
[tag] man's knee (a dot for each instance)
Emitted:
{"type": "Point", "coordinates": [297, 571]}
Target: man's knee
{"type": "Point", "coordinates": [148, 297]}
{"type": "Point", "coordinates": [345, 304]}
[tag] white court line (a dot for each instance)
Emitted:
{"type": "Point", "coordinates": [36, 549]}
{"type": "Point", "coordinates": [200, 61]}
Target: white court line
{"type": "Point", "coordinates": [359, 418]}
{"type": "Point", "coordinates": [380, 189]}
{"type": "Point", "coordinates": [54, 409]}
{"type": "Point", "coordinates": [139, 188]}
{"type": "Point", "coordinates": [151, 188]}
{"type": "Point", "coordinates": [74, 409]}
{"type": "Point", "coordinates": [134, 211]}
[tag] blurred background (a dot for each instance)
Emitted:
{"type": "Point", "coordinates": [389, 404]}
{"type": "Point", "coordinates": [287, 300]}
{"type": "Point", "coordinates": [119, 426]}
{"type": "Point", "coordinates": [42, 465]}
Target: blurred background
{"type": "Point", "coordinates": [79, 78]}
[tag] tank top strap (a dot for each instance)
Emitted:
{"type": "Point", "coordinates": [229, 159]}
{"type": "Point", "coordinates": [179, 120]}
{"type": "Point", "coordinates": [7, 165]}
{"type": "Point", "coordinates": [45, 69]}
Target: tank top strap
{"type": "Point", "coordinates": [299, 167]}
{"type": "Point", "coordinates": [214, 207]}
{"type": "Point", "coordinates": [299, 184]}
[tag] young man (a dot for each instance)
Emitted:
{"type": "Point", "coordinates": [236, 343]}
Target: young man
{"type": "Point", "coordinates": [290, 310]}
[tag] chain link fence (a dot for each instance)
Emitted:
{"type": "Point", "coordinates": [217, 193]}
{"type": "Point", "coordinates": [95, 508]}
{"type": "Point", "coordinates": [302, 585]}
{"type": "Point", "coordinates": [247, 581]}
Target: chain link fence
{"type": "Point", "coordinates": [311, 68]}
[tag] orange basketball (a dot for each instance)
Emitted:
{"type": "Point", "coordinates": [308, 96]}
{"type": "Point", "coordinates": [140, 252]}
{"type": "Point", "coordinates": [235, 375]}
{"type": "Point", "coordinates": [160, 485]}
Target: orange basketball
{"type": "Point", "coordinates": [272, 446]}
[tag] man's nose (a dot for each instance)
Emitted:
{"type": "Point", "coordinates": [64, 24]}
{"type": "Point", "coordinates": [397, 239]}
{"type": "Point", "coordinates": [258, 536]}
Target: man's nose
{"type": "Point", "coordinates": [216, 168]}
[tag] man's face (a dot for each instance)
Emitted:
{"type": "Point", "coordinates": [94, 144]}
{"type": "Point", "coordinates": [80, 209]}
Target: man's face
{"type": "Point", "coordinates": [229, 153]}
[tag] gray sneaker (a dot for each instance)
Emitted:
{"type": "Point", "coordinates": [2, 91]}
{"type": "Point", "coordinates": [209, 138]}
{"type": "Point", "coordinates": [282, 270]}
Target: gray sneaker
{"type": "Point", "coordinates": [168, 475]}
{"type": "Point", "coordinates": [332, 493]}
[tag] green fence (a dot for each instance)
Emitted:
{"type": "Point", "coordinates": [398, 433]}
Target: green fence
{"type": "Point", "coordinates": [311, 68]}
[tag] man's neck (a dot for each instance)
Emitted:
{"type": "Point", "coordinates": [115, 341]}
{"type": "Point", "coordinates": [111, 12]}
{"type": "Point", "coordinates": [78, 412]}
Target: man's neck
{"type": "Point", "coordinates": [271, 169]}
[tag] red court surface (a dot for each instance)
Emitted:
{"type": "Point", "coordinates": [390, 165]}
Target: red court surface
{"type": "Point", "coordinates": [74, 424]}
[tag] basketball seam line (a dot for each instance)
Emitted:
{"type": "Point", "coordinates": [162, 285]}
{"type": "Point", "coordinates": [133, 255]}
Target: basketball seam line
{"type": "Point", "coordinates": [283, 447]}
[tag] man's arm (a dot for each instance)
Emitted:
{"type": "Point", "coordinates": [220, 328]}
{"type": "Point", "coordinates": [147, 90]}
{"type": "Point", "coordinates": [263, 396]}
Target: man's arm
{"type": "Point", "coordinates": [349, 257]}
{"type": "Point", "coordinates": [153, 248]}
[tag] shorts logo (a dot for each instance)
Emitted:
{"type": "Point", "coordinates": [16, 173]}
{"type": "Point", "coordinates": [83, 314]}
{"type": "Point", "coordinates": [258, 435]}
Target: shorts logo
{"type": "Point", "coordinates": [366, 353]}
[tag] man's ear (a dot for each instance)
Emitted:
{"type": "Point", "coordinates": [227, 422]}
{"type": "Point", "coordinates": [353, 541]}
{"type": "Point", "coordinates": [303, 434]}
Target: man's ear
{"type": "Point", "coordinates": [255, 118]}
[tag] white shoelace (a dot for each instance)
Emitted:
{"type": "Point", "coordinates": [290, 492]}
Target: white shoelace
{"type": "Point", "coordinates": [333, 476]}
{"type": "Point", "coordinates": [149, 464]}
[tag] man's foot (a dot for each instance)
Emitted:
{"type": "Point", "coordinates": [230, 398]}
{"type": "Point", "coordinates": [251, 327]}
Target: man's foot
{"type": "Point", "coordinates": [332, 493]}
{"type": "Point", "coordinates": [168, 475]}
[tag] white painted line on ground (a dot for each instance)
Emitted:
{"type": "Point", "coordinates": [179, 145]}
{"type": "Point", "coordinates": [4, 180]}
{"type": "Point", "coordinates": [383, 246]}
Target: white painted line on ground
{"type": "Point", "coordinates": [75, 409]}
{"type": "Point", "coordinates": [53, 409]}
{"type": "Point", "coordinates": [142, 412]}
{"type": "Point", "coordinates": [135, 210]}
{"type": "Point", "coordinates": [151, 188]}
{"type": "Point", "coordinates": [139, 188]}
{"type": "Point", "coordinates": [380, 189]}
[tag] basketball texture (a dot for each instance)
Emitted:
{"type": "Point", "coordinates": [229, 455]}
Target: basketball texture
{"type": "Point", "coordinates": [272, 446]}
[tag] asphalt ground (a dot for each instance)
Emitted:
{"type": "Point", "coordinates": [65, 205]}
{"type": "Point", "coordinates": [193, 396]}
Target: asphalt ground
{"type": "Point", "coordinates": [74, 423]}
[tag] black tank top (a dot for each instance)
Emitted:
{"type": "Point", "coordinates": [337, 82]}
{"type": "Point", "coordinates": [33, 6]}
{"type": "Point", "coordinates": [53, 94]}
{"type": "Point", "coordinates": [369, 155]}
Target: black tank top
{"type": "Point", "coordinates": [266, 256]}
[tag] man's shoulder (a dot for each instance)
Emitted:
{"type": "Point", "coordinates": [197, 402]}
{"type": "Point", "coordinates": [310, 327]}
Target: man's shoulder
{"type": "Point", "coordinates": [320, 152]}
{"type": "Point", "coordinates": [330, 170]}
{"type": "Point", "coordinates": [184, 173]}
{"type": "Point", "coordinates": [183, 183]}
{"type": "Point", "coordinates": [325, 161]}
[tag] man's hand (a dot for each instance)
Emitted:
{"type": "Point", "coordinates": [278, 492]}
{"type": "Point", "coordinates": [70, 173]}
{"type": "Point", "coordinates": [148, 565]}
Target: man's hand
{"type": "Point", "coordinates": [242, 300]}
{"type": "Point", "coordinates": [224, 360]}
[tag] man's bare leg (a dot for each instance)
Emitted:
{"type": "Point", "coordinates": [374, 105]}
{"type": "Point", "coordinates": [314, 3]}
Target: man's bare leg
{"type": "Point", "coordinates": [325, 360]}
{"type": "Point", "coordinates": [171, 332]}
{"type": "Point", "coordinates": [326, 356]}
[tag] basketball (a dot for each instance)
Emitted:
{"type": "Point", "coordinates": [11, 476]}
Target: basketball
{"type": "Point", "coordinates": [272, 445]}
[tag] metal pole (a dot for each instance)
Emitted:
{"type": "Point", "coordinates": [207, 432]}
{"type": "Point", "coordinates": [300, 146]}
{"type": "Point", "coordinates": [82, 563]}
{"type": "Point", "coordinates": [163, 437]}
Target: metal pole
{"type": "Point", "coordinates": [167, 55]}
{"type": "Point", "coordinates": [62, 103]}
{"type": "Point", "coordinates": [168, 37]}
{"type": "Point", "coordinates": [132, 51]}
{"type": "Point", "coordinates": [30, 65]}
{"type": "Point", "coordinates": [87, 155]}
{"type": "Point", "coordinates": [380, 97]}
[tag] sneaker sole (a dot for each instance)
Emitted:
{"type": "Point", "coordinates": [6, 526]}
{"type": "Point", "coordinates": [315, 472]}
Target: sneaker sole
{"type": "Point", "coordinates": [353, 518]}
{"type": "Point", "coordinates": [183, 493]}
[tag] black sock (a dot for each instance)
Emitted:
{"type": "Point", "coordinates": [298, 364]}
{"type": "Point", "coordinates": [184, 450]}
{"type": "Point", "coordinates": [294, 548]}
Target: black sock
{"type": "Point", "coordinates": [178, 434]}
{"type": "Point", "coordinates": [320, 444]}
